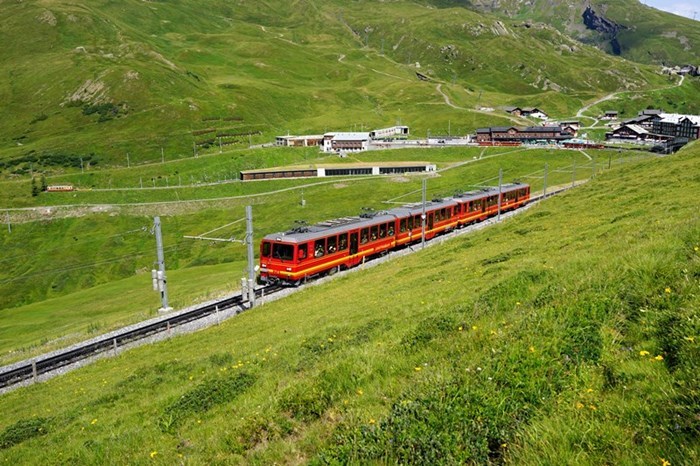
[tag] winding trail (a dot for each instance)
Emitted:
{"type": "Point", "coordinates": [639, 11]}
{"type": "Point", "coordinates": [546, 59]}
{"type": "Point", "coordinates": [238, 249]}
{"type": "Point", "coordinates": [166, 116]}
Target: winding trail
{"type": "Point", "coordinates": [580, 114]}
{"type": "Point", "coordinates": [449, 103]}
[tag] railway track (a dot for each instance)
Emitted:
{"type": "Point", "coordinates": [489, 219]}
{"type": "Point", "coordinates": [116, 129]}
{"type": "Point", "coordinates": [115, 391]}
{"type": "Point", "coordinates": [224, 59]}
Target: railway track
{"type": "Point", "coordinates": [17, 373]}
{"type": "Point", "coordinates": [30, 370]}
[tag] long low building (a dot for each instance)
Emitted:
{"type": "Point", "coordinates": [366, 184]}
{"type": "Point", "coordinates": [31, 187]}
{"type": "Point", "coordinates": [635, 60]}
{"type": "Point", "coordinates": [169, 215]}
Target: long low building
{"type": "Point", "coordinates": [345, 169]}
{"type": "Point", "coordinates": [516, 134]}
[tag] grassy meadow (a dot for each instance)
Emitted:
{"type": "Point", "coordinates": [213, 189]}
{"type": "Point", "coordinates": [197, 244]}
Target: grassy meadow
{"type": "Point", "coordinates": [566, 335]}
{"type": "Point", "coordinates": [138, 79]}
{"type": "Point", "coordinates": [56, 267]}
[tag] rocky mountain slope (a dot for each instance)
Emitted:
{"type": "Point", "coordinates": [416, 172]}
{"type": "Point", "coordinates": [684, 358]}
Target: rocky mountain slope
{"type": "Point", "coordinates": [621, 27]}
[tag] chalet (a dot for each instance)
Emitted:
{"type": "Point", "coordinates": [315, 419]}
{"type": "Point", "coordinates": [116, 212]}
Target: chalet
{"type": "Point", "coordinates": [534, 112]}
{"type": "Point", "coordinates": [345, 142]}
{"type": "Point", "coordinates": [573, 124]}
{"type": "Point", "coordinates": [610, 115]}
{"type": "Point", "coordinates": [517, 111]}
{"type": "Point", "coordinates": [645, 121]}
{"type": "Point", "coordinates": [515, 134]}
{"type": "Point", "coordinates": [628, 132]}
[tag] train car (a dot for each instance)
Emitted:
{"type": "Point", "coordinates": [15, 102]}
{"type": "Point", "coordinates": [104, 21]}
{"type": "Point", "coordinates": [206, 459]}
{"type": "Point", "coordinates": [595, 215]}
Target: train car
{"type": "Point", "coordinates": [60, 188]}
{"type": "Point", "coordinates": [305, 252]}
{"type": "Point", "coordinates": [477, 206]}
{"type": "Point", "coordinates": [296, 255]}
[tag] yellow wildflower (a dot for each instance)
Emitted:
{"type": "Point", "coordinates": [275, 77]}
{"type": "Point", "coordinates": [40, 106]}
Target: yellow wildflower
{"type": "Point", "coordinates": [644, 353]}
{"type": "Point", "coordinates": [589, 390]}
{"type": "Point", "coordinates": [417, 368]}
{"type": "Point", "coordinates": [474, 327]}
{"type": "Point", "coordinates": [359, 391]}
{"type": "Point", "coordinates": [665, 462]}
{"type": "Point", "coordinates": [658, 357]}
{"type": "Point", "coordinates": [94, 421]}
{"type": "Point", "coordinates": [532, 349]}
{"type": "Point", "coordinates": [460, 328]}
{"type": "Point", "coordinates": [668, 290]}
{"type": "Point", "coordinates": [518, 303]}
{"type": "Point", "coordinates": [504, 445]}
{"type": "Point", "coordinates": [690, 339]}
{"type": "Point", "coordinates": [696, 248]}
{"type": "Point", "coordinates": [153, 454]}
{"type": "Point", "coordinates": [372, 421]}
{"type": "Point", "coordinates": [593, 408]}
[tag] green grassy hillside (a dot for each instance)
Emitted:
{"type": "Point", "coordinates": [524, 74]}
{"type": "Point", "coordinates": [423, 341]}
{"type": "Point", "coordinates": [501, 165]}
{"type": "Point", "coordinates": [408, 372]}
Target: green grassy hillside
{"type": "Point", "coordinates": [57, 265]}
{"type": "Point", "coordinates": [567, 335]}
{"type": "Point", "coordinates": [102, 80]}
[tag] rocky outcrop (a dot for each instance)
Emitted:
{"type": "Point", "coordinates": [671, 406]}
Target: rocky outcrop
{"type": "Point", "coordinates": [603, 25]}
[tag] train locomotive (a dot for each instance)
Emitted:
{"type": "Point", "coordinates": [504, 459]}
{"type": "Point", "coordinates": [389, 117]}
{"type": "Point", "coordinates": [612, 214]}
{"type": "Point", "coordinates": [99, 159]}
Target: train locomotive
{"type": "Point", "coordinates": [306, 252]}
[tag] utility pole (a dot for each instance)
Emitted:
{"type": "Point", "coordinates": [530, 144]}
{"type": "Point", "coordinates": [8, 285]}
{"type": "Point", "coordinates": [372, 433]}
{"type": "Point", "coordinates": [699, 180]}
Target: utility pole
{"type": "Point", "coordinates": [251, 257]}
{"type": "Point", "coordinates": [128, 163]}
{"type": "Point", "coordinates": [544, 189]}
{"type": "Point", "coordinates": [221, 148]}
{"type": "Point", "coordinates": [162, 155]}
{"type": "Point", "coordinates": [161, 282]}
{"type": "Point", "coordinates": [141, 181]}
{"type": "Point", "coordinates": [423, 218]}
{"type": "Point", "coordinates": [81, 165]}
{"type": "Point", "coordinates": [500, 191]}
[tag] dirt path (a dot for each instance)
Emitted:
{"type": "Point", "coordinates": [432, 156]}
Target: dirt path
{"type": "Point", "coordinates": [612, 96]}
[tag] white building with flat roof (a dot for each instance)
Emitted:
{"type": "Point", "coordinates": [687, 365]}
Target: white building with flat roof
{"type": "Point", "coordinates": [345, 142]}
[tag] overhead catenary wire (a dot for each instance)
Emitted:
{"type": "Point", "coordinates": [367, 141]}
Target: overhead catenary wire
{"type": "Point", "coordinates": [84, 266]}
{"type": "Point", "coordinates": [93, 238]}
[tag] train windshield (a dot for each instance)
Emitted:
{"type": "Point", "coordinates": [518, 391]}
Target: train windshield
{"type": "Point", "coordinates": [266, 248]}
{"type": "Point", "coordinates": [284, 252]}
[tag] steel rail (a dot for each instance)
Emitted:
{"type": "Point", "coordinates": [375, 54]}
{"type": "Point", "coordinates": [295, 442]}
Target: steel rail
{"type": "Point", "coordinates": [41, 366]}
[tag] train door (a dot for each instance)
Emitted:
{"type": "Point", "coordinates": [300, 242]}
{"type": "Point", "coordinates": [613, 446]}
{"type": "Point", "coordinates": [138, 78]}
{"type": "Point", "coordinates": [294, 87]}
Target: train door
{"type": "Point", "coordinates": [353, 243]}
{"type": "Point", "coordinates": [430, 221]}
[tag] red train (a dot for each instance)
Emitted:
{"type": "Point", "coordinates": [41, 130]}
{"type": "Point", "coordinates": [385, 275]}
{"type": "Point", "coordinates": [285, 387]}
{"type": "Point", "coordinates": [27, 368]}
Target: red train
{"type": "Point", "coordinates": [294, 256]}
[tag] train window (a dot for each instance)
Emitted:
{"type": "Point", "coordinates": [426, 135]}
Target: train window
{"type": "Point", "coordinates": [343, 242]}
{"type": "Point", "coordinates": [332, 244]}
{"type": "Point", "coordinates": [266, 248]}
{"type": "Point", "coordinates": [402, 225]}
{"type": "Point", "coordinates": [284, 252]}
{"type": "Point", "coordinates": [373, 232]}
{"type": "Point", "coordinates": [443, 214]}
{"type": "Point", "coordinates": [390, 229]}
{"type": "Point", "coordinates": [417, 222]}
{"type": "Point", "coordinates": [320, 247]}
{"type": "Point", "coordinates": [302, 251]}
{"type": "Point", "coordinates": [410, 223]}
{"type": "Point", "coordinates": [382, 230]}
{"type": "Point", "coordinates": [364, 235]}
